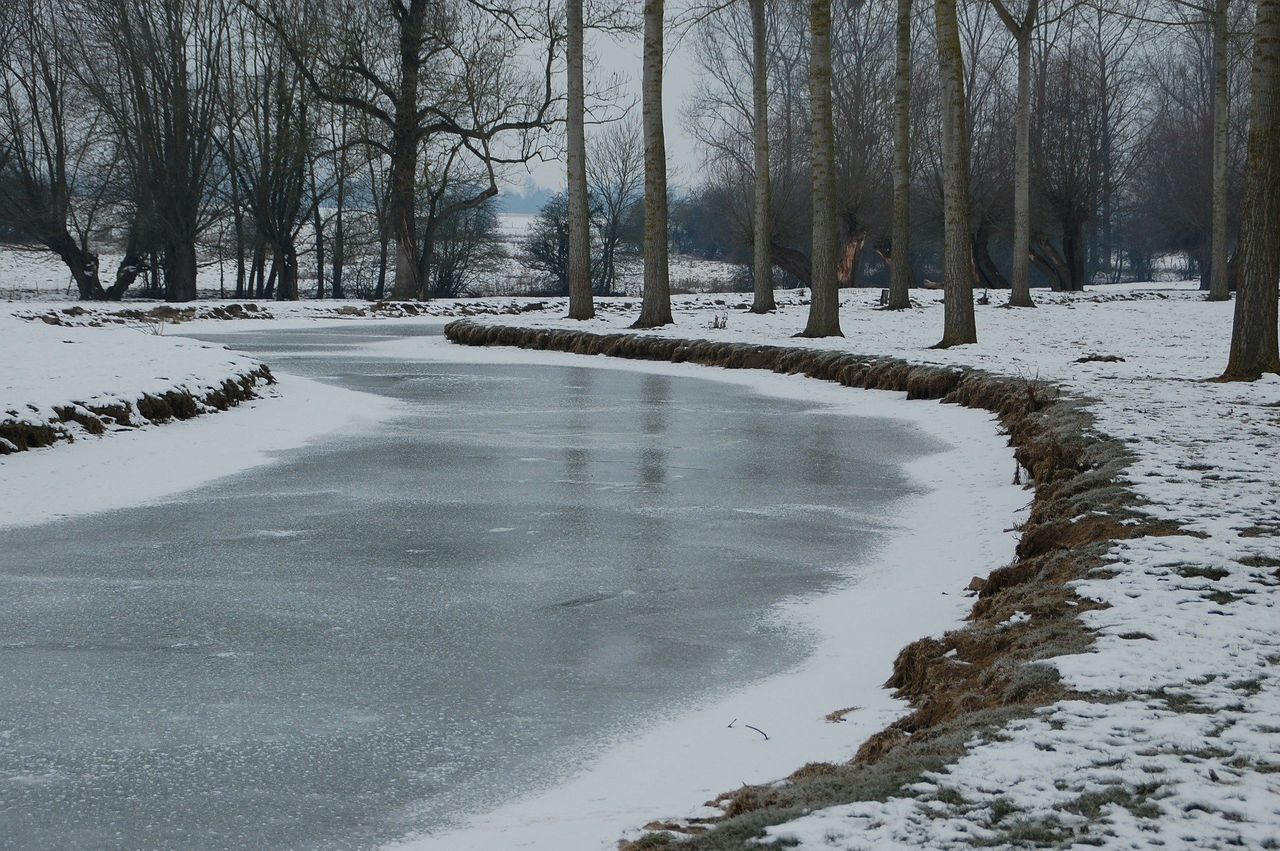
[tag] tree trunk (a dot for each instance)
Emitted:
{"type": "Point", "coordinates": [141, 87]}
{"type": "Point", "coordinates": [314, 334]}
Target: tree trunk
{"type": "Point", "coordinates": [380, 289]}
{"type": "Point", "coordinates": [155, 275]}
{"type": "Point", "coordinates": [258, 275]}
{"type": "Point", "coordinates": [824, 303]}
{"type": "Point", "coordinates": [1219, 286]}
{"type": "Point", "coordinates": [581, 305]}
{"type": "Point", "coordinates": [1254, 349]}
{"type": "Point", "coordinates": [317, 224]}
{"type": "Point", "coordinates": [900, 250]}
{"type": "Point", "coordinates": [655, 309]}
{"type": "Point", "coordinates": [850, 256]}
{"type": "Point", "coordinates": [82, 264]}
{"type": "Point", "coordinates": [180, 271]}
{"type": "Point", "coordinates": [404, 155]}
{"type": "Point", "coordinates": [1073, 252]}
{"type": "Point", "coordinates": [287, 279]}
{"type": "Point", "coordinates": [762, 231]}
{"type": "Point", "coordinates": [794, 263]}
{"type": "Point", "coordinates": [1050, 262]}
{"type": "Point", "coordinates": [338, 250]}
{"type": "Point", "coordinates": [989, 274]}
{"type": "Point", "coordinates": [959, 326]}
{"type": "Point", "coordinates": [1020, 294]}
{"type": "Point", "coordinates": [132, 265]}
{"type": "Point", "coordinates": [428, 257]}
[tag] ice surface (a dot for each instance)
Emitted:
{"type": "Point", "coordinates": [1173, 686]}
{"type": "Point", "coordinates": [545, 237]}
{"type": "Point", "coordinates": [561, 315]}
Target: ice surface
{"type": "Point", "coordinates": [343, 647]}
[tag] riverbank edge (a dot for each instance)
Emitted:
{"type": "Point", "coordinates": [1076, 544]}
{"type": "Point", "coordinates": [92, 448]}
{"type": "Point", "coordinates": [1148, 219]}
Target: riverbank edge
{"type": "Point", "coordinates": [973, 679]}
{"type": "Point", "coordinates": [95, 418]}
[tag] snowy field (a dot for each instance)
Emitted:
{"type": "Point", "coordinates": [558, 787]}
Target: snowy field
{"type": "Point", "coordinates": [1174, 706]}
{"type": "Point", "coordinates": [40, 276]}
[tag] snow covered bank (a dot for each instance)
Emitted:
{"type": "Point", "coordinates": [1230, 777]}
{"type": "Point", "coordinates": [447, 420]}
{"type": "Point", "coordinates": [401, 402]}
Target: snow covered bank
{"type": "Point", "coordinates": [61, 384]}
{"type": "Point", "coordinates": [1158, 728]}
{"type": "Point", "coordinates": [68, 385]}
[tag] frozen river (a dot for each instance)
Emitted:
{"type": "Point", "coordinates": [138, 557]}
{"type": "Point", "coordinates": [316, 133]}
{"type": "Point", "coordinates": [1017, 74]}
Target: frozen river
{"type": "Point", "coordinates": [383, 632]}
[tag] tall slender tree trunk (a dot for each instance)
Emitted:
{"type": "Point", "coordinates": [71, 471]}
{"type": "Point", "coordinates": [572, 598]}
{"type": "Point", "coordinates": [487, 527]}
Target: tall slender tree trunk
{"type": "Point", "coordinates": [258, 274]}
{"type": "Point", "coordinates": [900, 251]}
{"type": "Point", "coordinates": [338, 251]}
{"type": "Point", "coordinates": [1020, 294]}
{"type": "Point", "coordinates": [762, 231]}
{"type": "Point", "coordinates": [655, 308]}
{"type": "Point", "coordinates": [317, 224]}
{"type": "Point", "coordinates": [1219, 273]}
{"type": "Point", "coordinates": [581, 305]}
{"type": "Point", "coordinates": [959, 326]}
{"type": "Point", "coordinates": [1254, 345]}
{"type": "Point", "coordinates": [404, 156]}
{"type": "Point", "coordinates": [237, 214]}
{"type": "Point", "coordinates": [824, 304]}
{"type": "Point", "coordinates": [380, 288]}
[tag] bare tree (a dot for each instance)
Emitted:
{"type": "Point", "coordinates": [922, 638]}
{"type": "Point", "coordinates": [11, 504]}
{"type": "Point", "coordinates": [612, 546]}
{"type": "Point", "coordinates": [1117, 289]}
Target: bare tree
{"type": "Point", "coordinates": [1022, 27]}
{"type": "Point", "coordinates": [899, 255]}
{"type": "Point", "coordinates": [1216, 15]}
{"type": "Point", "coordinates": [655, 308]}
{"type": "Point", "coordinates": [762, 226]}
{"type": "Point", "coordinates": [157, 78]}
{"type": "Point", "coordinates": [1254, 346]}
{"type": "Point", "coordinates": [415, 70]}
{"type": "Point", "coordinates": [580, 301]}
{"type": "Point", "coordinates": [56, 166]}
{"type": "Point", "coordinates": [824, 302]}
{"type": "Point", "coordinates": [615, 174]}
{"type": "Point", "coordinates": [272, 142]}
{"type": "Point", "coordinates": [959, 326]}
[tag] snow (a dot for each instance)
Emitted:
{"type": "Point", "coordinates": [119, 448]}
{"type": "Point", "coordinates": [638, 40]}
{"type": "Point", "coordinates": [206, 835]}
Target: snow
{"type": "Point", "coordinates": [47, 367]}
{"type": "Point", "coordinates": [34, 275]}
{"type": "Point", "coordinates": [1173, 726]}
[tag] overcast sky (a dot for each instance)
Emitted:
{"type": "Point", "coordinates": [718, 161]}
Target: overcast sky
{"type": "Point", "coordinates": [622, 56]}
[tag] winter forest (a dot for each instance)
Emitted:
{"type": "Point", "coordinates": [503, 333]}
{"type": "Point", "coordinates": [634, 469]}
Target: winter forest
{"type": "Point", "coordinates": [457, 425]}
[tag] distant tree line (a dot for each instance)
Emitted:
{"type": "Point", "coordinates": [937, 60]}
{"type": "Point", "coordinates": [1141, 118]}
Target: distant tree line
{"type": "Point", "coordinates": [1119, 117]}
